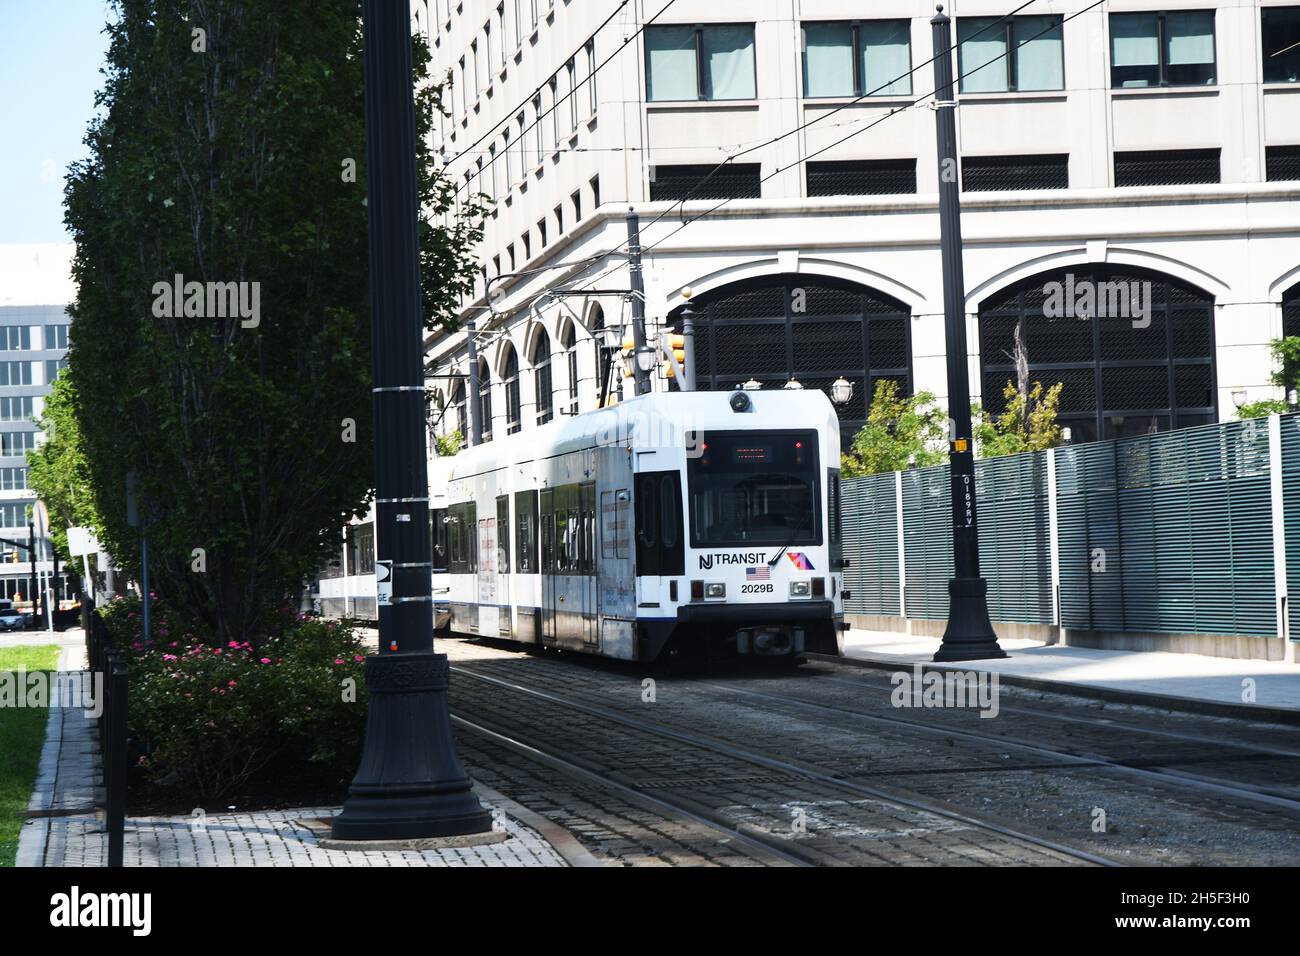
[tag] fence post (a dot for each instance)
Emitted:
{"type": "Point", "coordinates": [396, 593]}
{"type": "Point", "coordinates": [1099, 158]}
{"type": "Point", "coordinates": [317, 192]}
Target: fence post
{"type": "Point", "coordinates": [1054, 539]}
{"type": "Point", "coordinates": [902, 555]}
{"type": "Point", "coordinates": [115, 765]}
{"type": "Point", "coordinates": [1280, 597]}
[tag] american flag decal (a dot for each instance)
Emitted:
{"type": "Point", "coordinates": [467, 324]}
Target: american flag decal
{"type": "Point", "coordinates": [761, 573]}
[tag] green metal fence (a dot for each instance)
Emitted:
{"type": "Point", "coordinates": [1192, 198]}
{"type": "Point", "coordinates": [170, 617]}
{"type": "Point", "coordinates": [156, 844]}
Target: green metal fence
{"type": "Point", "coordinates": [1171, 532]}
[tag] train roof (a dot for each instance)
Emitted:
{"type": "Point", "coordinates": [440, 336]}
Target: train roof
{"type": "Point", "coordinates": [658, 420]}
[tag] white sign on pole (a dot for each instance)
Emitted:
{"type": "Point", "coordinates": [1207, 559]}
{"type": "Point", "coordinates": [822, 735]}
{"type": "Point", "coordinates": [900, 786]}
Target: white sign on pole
{"type": "Point", "coordinates": [81, 541]}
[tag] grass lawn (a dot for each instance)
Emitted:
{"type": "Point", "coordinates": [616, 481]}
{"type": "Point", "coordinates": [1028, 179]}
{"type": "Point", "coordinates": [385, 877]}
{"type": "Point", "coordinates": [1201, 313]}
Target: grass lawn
{"type": "Point", "coordinates": [22, 733]}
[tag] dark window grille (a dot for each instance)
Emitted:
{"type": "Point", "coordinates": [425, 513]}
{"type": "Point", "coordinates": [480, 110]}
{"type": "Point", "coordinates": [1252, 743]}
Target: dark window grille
{"type": "Point", "coordinates": [458, 403]}
{"type": "Point", "coordinates": [814, 330]}
{"type": "Point", "coordinates": [862, 177]}
{"type": "Point", "coordinates": [731, 181]}
{"type": "Point", "coordinates": [512, 393]}
{"type": "Point", "coordinates": [1124, 372]}
{"type": "Point", "coordinates": [485, 400]}
{"type": "Point", "coordinates": [1283, 163]}
{"type": "Point", "coordinates": [1167, 167]}
{"type": "Point", "coordinates": [1280, 28]}
{"type": "Point", "coordinates": [990, 173]}
{"type": "Point", "coordinates": [1291, 311]}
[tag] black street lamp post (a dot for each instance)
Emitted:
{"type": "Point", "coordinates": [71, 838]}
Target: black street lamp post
{"type": "Point", "coordinates": [969, 634]}
{"type": "Point", "coordinates": [410, 784]}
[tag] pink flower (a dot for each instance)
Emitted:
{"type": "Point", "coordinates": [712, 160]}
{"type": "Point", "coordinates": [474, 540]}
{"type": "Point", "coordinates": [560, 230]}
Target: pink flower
{"type": "Point", "coordinates": [234, 644]}
{"type": "Point", "coordinates": [216, 650]}
{"type": "Point", "coordinates": [338, 660]}
{"type": "Point", "coordinates": [231, 683]}
{"type": "Point", "coordinates": [173, 644]}
{"type": "Point", "coordinates": [266, 660]}
{"type": "Point", "coordinates": [170, 657]}
{"type": "Point", "coordinates": [358, 658]}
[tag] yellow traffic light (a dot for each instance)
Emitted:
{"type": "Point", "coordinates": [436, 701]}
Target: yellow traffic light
{"type": "Point", "coordinates": [629, 357]}
{"type": "Point", "coordinates": [675, 354]}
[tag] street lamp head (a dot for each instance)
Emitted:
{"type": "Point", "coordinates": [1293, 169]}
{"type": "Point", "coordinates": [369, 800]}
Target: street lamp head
{"type": "Point", "coordinates": [794, 383]}
{"type": "Point", "coordinates": [841, 391]}
{"type": "Point", "coordinates": [1239, 397]}
{"type": "Point", "coordinates": [1066, 434]}
{"type": "Point", "coordinates": [753, 385]}
{"type": "Point", "coordinates": [687, 293]}
{"type": "Point", "coordinates": [645, 359]}
{"type": "Point", "coordinates": [1293, 399]}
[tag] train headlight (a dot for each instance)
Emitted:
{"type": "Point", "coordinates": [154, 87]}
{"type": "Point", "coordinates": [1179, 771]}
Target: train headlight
{"type": "Point", "coordinates": [800, 589]}
{"type": "Point", "coordinates": [715, 589]}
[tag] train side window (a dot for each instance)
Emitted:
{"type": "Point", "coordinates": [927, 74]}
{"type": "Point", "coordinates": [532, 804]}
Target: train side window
{"type": "Point", "coordinates": [647, 524]}
{"type": "Point", "coordinates": [471, 536]}
{"type": "Point", "coordinates": [503, 534]}
{"type": "Point", "coordinates": [526, 532]}
{"type": "Point", "coordinates": [587, 552]}
{"type": "Point", "coordinates": [438, 526]}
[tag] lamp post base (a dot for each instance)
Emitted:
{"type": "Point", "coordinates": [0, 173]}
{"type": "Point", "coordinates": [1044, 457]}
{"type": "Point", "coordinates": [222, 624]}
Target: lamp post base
{"type": "Point", "coordinates": [410, 785]}
{"type": "Point", "coordinates": [969, 635]}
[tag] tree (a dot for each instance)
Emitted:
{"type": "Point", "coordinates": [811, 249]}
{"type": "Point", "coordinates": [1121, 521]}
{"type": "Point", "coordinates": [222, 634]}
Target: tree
{"type": "Point", "coordinates": [1286, 376]}
{"type": "Point", "coordinates": [448, 445]}
{"type": "Point", "coordinates": [230, 152]}
{"type": "Point", "coordinates": [58, 471]}
{"type": "Point", "coordinates": [901, 432]}
{"type": "Point", "coordinates": [1028, 422]}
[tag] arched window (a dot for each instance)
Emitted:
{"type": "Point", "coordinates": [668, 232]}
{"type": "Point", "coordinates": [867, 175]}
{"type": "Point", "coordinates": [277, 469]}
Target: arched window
{"type": "Point", "coordinates": [511, 382]}
{"type": "Point", "coordinates": [485, 399]}
{"type": "Point", "coordinates": [1134, 349]}
{"type": "Point", "coordinates": [1291, 311]}
{"type": "Point", "coordinates": [809, 328]}
{"type": "Point", "coordinates": [541, 359]}
{"type": "Point", "coordinates": [458, 403]}
{"type": "Point", "coordinates": [567, 342]}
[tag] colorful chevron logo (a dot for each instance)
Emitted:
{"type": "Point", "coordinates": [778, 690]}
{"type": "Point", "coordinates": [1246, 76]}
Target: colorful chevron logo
{"type": "Point", "coordinates": [800, 560]}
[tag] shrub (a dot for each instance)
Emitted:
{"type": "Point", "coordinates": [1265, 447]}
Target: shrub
{"type": "Point", "coordinates": [206, 719]}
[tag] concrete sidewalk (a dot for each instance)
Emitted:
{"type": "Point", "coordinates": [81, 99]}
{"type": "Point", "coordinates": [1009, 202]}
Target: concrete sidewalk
{"type": "Point", "coordinates": [66, 819]}
{"type": "Point", "coordinates": [1194, 680]}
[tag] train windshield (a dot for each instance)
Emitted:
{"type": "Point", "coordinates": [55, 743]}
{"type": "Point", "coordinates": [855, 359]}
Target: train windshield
{"type": "Point", "coordinates": [753, 487]}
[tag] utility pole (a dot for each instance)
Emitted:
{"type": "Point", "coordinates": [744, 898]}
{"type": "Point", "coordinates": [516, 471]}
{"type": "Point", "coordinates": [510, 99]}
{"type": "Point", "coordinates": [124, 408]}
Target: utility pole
{"type": "Point", "coordinates": [641, 376]}
{"type": "Point", "coordinates": [475, 410]}
{"type": "Point", "coordinates": [969, 634]}
{"type": "Point", "coordinates": [31, 553]}
{"type": "Point", "coordinates": [410, 784]}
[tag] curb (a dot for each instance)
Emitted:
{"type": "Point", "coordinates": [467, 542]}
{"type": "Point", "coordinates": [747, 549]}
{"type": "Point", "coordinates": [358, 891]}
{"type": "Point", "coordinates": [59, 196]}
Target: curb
{"type": "Point", "coordinates": [1289, 716]}
{"type": "Point", "coordinates": [561, 840]}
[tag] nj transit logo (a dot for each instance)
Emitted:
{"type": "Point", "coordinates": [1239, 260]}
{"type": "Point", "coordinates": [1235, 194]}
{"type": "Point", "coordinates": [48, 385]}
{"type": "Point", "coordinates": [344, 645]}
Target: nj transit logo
{"type": "Point", "coordinates": [800, 560]}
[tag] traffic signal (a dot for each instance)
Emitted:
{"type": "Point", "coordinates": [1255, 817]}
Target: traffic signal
{"type": "Point", "coordinates": [629, 357]}
{"type": "Point", "coordinates": [672, 346]}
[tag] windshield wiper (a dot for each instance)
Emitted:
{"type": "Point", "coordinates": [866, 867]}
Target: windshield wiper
{"type": "Point", "coordinates": [785, 547]}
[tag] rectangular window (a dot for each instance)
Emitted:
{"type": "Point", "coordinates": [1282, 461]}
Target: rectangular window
{"type": "Point", "coordinates": [541, 232]}
{"type": "Point", "coordinates": [559, 221]}
{"type": "Point", "coordinates": [862, 177]}
{"type": "Point", "coordinates": [488, 59]}
{"type": "Point", "coordinates": [528, 246]}
{"type": "Point", "coordinates": [501, 33]}
{"type": "Point", "coordinates": [660, 547]}
{"type": "Point", "coordinates": [462, 539]}
{"type": "Point", "coordinates": [576, 199]}
{"type": "Point", "coordinates": [553, 128]}
{"type": "Point", "coordinates": [591, 78]}
{"type": "Point", "coordinates": [992, 173]}
{"type": "Point", "coordinates": [526, 532]}
{"type": "Point", "coordinates": [510, 254]}
{"type": "Point", "coordinates": [16, 443]}
{"type": "Point", "coordinates": [539, 142]}
{"type": "Point", "coordinates": [725, 511]}
{"type": "Point", "coordinates": [16, 409]}
{"type": "Point", "coordinates": [704, 181]}
{"type": "Point", "coordinates": [835, 535]}
{"type": "Point", "coordinates": [15, 338]}
{"type": "Point", "coordinates": [53, 367]}
{"type": "Point", "coordinates": [1162, 49]}
{"type": "Point", "coordinates": [56, 337]}
{"type": "Point", "coordinates": [1167, 167]}
{"type": "Point", "coordinates": [1281, 44]}
{"type": "Point", "coordinates": [709, 62]}
{"type": "Point", "coordinates": [857, 58]}
{"type": "Point", "coordinates": [13, 479]}
{"type": "Point", "coordinates": [595, 192]}
{"type": "Point", "coordinates": [1018, 54]}
{"type": "Point", "coordinates": [15, 373]}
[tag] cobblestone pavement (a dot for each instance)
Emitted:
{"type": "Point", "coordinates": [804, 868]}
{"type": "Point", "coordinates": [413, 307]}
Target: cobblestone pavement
{"type": "Point", "coordinates": [839, 721]}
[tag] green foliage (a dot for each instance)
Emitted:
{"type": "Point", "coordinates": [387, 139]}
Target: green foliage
{"type": "Point", "coordinates": [1286, 376]}
{"type": "Point", "coordinates": [206, 719]}
{"type": "Point", "coordinates": [232, 165]}
{"type": "Point", "coordinates": [448, 445]}
{"type": "Point", "coordinates": [901, 432]}
{"type": "Point", "coordinates": [58, 471]}
{"type": "Point", "coordinates": [1028, 422]}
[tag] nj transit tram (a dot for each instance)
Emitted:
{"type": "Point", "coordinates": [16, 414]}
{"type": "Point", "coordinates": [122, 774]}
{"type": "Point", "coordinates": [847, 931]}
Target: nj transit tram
{"type": "Point", "coordinates": [702, 524]}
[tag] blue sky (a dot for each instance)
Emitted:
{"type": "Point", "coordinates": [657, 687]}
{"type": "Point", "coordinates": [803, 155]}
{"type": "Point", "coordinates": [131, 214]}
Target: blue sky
{"type": "Point", "coordinates": [51, 52]}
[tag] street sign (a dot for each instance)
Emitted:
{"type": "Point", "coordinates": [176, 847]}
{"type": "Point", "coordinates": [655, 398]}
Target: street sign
{"type": "Point", "coordinates": [81, 541]}
{"type": "Point", "coordinates": [383, 583]}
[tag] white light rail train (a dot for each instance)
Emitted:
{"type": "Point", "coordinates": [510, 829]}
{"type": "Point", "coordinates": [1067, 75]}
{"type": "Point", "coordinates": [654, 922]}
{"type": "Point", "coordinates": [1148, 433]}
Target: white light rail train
{"type": "Point", "coordinates": [697, 525]}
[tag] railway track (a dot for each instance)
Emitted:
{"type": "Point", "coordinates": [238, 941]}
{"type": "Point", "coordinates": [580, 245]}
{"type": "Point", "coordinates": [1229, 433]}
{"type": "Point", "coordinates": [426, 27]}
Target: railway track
{"type": "Point", "coordinates": [982, 839]}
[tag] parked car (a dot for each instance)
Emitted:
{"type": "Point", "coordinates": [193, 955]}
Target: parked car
{"type": "Point", "coordinates": [11, 619]}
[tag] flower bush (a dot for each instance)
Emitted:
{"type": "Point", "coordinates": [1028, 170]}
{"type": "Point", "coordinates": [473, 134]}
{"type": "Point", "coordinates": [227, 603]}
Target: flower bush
{"type": "Point", "coordinates": [207, 718]}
